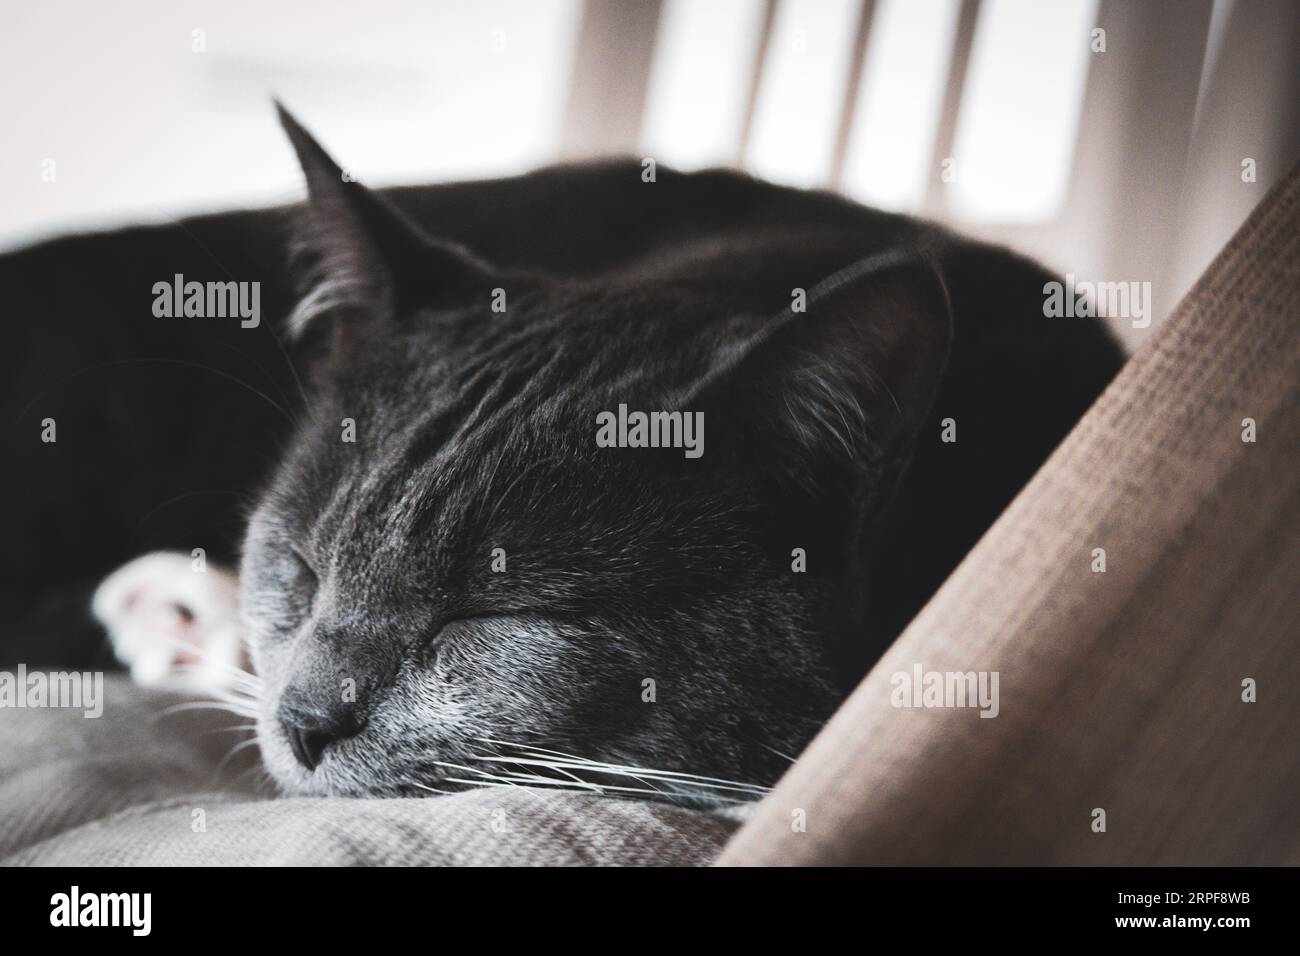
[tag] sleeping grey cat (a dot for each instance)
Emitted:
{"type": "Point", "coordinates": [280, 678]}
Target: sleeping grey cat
{"type": "Point", "coordinates": [452, 578]}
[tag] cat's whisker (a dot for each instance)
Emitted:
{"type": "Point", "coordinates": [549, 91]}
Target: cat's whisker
{"type": "Point", "coordinates": [665, 784]}
{"type": "Point", "coordinates": [245, 678]}
{"type": "Point", "coordinates": [242, 728]}
{"type": "Point", "coordinates": [456, 766]}
{"type": "Point", "coordinates": [531, 778]}
{"type": "Point", "coordinates": [250, 742]}
{"type": "Point", "coordinates": [518, 746]}
{"type": "Point", "coordinates": [667, 776]}
{"type": "Point", "coordinates": [263, 783]}
{"type": "Point", "coordinates": [232, 692]}
{"type": "Point", "coordinates": [477, 783]}
{"type": "Point", "coordinates": [564, 769]}
{"type": "Point", "coordinates": [239, 695]}
{"type": "Point", "coordinates": [237, 684]}
{"type": "Point", "coordinates": [247, 707]}
{"type": "Point", "coordinates": [498, 758]}
{"type": "Point", "coordinates": [689, 779]}
{"type": "Point", "coordinates": [237, 671]}
{"type": "Point", "coordinates": [237, 674]}
{"type": "Point", "coordinates": [649, 777]}
{"type": "Point", "coordinates": [783, 756]}
{"type": "Point", "coordinates": [265, 779]}
{"type": "Point", "coordinates": [230, 708]}
{"type": "Point", "coordinates": [445, 793]}
{"type": "Point", "coordinates": [527, 778]}
{"type": "Point", "coordinates": [536, 781]}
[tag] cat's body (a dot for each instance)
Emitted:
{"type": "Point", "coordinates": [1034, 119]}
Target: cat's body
{"type": "Point", "coordinates": [475, 431]}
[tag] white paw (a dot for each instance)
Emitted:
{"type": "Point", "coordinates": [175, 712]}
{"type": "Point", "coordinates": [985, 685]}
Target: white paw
{"type": "Point", "coordinates": [171, 624]}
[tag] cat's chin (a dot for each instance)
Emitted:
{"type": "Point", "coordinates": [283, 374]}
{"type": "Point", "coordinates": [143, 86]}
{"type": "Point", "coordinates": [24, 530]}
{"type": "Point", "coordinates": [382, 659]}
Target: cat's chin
{"type": "Point", "coordinates": [293, 782]}
{"type": "Point", "coordinates": [292, 779]}
{"type": "Point", "coordinates": [317, 784]}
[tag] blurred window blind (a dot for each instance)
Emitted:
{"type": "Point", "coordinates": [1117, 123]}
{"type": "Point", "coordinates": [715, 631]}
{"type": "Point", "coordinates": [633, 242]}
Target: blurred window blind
{"type": "Point", "coordinates": [704, 66]}
{"type": "Point", "coordinates": [897, 112]}
{"type": "Point", "coordinates": [802, 90]}
{"type": "Point", "coordinates": [877, 138]}
{"type": "Point", "coordinates": [1020, 108]}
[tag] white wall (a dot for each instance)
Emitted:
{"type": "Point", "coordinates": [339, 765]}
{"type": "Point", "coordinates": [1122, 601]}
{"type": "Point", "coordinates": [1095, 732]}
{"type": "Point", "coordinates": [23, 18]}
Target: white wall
{"type": "Point", "coordinates": [140, 126]}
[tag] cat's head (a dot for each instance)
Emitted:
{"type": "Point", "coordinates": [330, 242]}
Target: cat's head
{"type": "Point", "coordinates": [452, 575]}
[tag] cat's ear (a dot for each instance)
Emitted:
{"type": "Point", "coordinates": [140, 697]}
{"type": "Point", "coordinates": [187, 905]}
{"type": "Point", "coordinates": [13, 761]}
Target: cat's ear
{"type": "Point", "coordinates": [359, 260]}
{"type": "Point", "coordinates": [832, 397]}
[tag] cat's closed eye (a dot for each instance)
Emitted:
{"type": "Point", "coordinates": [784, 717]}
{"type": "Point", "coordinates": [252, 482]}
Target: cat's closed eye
{"type": "Point", "coordinates": [440, 635]}
{"type": "Point", "coordinates": [466, 626]}
{"type": "Point", "coordinates": [301, 579]}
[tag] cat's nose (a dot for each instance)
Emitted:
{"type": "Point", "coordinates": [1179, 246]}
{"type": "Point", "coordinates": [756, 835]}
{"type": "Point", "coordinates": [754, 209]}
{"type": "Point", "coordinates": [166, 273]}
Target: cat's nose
{"type": "Point", "coordinates": [311, 731]}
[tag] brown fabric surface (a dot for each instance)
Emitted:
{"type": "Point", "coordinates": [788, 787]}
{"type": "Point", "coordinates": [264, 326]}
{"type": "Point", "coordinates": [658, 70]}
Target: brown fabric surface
{"type": "Point", "coordinates": [1119, 690]}
{"type": "Point", "coordinates": [122, 789]}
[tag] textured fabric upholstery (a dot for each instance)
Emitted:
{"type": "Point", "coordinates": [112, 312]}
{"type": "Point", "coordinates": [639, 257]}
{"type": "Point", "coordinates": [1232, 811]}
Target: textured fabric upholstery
{"type": "Point", "coordinates": [134, 785]}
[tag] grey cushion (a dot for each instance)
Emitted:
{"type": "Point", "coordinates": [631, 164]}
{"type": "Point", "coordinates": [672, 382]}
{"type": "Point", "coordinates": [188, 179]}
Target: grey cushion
{"type": "Point", "coordinates": [148, 785]}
